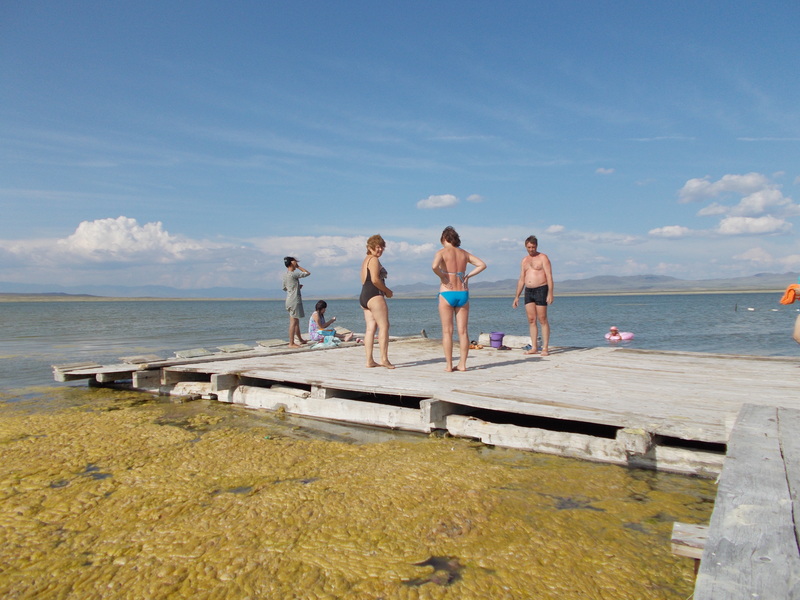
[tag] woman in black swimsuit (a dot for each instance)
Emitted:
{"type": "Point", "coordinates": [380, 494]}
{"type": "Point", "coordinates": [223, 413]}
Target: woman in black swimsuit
{"type": "Point", "coordinates": [373, 300]}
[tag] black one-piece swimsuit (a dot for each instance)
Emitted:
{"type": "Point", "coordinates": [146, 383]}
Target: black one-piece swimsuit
{"type": "Point", "coordinates": [368, 291]}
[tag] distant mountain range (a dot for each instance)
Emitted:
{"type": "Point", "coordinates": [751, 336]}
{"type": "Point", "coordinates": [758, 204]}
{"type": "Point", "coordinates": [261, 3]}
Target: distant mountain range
{"type": "Point", "coordinates": [145, 291]}
{"type": "Point", "coordinates": [602, 284]}
{"type": "Point", "coordinates": [633, 284]}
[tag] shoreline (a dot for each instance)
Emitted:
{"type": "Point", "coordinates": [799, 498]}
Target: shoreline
{"type": "Point", "coordinates": [14, 297]}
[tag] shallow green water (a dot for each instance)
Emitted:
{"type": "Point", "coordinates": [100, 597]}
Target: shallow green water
{"type": "Point", "coordinates": [108, 494]}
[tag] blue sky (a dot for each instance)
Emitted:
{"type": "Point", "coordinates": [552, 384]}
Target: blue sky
{"type": "Point", "coordinates": [194, 144]}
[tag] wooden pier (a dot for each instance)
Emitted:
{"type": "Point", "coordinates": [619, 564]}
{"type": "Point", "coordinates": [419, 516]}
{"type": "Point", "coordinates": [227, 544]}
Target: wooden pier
{"type": "Point", "coordinates": [673, 411]}
{"type": "Point", "coordinates": [663, 410]}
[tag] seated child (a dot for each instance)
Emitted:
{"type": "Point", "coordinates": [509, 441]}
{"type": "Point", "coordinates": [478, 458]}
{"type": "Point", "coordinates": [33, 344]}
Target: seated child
{"type": "Point", "coordinates": [317, 323]}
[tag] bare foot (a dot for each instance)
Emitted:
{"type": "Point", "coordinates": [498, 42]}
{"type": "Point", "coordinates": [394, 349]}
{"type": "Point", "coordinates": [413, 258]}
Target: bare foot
{"type": "Point", "coordinates": [460, 368]}
{"type": "Point", "coordinates": [532, 351]}
{"type": "Point", "coordinates": [372, 364]}
{"type": "Point", "coordinates": [448, 369]}
{"type": "Point", "coordinates": [302, 341]}
{"type": "Point", "coordinates": [545, 352]}
{"type": "Point", "coordinates": [388, 365]}
{"type": "Point", "coordinates": [293, 346]}
{"type": "Point", "coordinates": [348, 337]}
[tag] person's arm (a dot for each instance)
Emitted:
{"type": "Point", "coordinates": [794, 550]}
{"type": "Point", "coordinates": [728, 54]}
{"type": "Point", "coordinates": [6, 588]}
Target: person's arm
{"type": "Point", "coordinates": [305, 273]}
{"type": "Point", "coordinates": [796, 335]}
{"type": "Point", "coordinates": [475, 262]}
{"type": "Point", "coordinates": [548, 273]}
{"type": "Point", "coordinates": [520, 284]}
{"type": "Point", "coordinates": [438, 260]}
{"type": "Point", "coordinates": [375, 274]}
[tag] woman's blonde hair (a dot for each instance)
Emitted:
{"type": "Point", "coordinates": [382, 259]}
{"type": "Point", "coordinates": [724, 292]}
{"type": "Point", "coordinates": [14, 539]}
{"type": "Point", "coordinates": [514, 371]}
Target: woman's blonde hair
{"type": "Point", "coordinates": [375, 241]}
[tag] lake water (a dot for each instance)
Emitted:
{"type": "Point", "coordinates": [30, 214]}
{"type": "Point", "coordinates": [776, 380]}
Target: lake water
{"type": "Point", "coordinates": [119, 494]}
{"type": "Point", "coordinates": [36, 335]}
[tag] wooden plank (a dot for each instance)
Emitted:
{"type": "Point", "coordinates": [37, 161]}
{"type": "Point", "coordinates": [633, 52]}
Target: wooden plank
{"type": "Point", "coordinates": [193, 353]}
{"type": "Point", "coordinates": [77, 365]}
{"type": "Point", "coordinates": [231, 348]}
{"type": "Point", "coordinates": [672, 394]}
{"type": "Point", "coordinates": [708, 428]}
{"type": "Point", "coordinates": [90, 372]}
{"type": "Point", "coordinates": [752, 550]}
{"type": "Point", "coordinates": [682, 395]}
{"type": "Point", "coordinates": [140, 359]}
{"type": "Point", "coordinates": [112, 376]}
{"type": "Point", "coordinates": [688, 539]}
{"type": "Point", "coordinates": [789, 429]}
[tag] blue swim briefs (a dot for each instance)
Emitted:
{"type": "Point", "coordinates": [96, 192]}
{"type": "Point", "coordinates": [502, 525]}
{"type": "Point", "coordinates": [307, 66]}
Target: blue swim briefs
{"type": "Point", "coordinates": [456, 298]}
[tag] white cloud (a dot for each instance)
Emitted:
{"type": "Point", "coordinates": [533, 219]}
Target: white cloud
{"type": "Point", "coordinates": [475, 198]}
{"type": "Point", "coordinates": [602, 171]}
{"type": "Point", "coordinates": [670, 231]}
{"type": "Point", "coordinates": [440, 201]}
{"type": "Point", "coordinates": [326, 250]}
{"type": "Point", "coordinates": [750, 225]}
{"type": "Point", "coordinates": [713, 209]}
{"type": "Point", "coordinates": [769, 139]}
{"type": "Point", "coordinates": [698, 189]}
{"type": "Point", "coordinates": [561, 233]}
{"type": "Point", "coordinates": [122, 250]}
{"type": "Point", "coordinates": [756, 255]}
{"type": "Point", "coordinates": [616, 239]}
{"type": "Point", "coordinates": [632, 267]}
{"type": "Point", "coordinates": [790, 262]}
{"type": "Point", "coordinates": [762, 210]}
{"type": "Point", "coordinates": [123, 239]}
{"type": "Point", "coordinates": [333, 251]}
{"type": "Point", "coordinates": [760, 202]}
{"type": "Point", "coordinates": [413, 250]}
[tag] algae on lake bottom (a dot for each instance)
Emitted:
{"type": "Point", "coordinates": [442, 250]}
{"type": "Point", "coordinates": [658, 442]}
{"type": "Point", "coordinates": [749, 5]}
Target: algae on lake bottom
{"type": "Point", "coordinates": [111, 494]}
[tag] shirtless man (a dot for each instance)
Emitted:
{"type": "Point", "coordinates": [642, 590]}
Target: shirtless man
{"type": "Point", "coordinates": [536, 276]}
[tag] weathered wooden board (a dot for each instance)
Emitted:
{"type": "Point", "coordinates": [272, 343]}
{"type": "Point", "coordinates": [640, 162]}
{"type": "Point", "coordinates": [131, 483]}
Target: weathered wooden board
{"type": "Point", "coordinates": [682, 395]}
{"type": "Point", "coordinates": [752, 548]}
{"type": "Point", "coordinates": [689, 539]}
{"type": "Point", "coordinates": [789, 429]}
{"type": "Point", "coordinates": [687, 396]}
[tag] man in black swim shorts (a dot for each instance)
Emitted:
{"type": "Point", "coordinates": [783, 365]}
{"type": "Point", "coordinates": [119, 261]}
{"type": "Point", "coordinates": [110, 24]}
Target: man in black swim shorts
{"type": "Point", "coordinates": [536, 277]}
{"type": "Point", "coordinates": [537, 295]}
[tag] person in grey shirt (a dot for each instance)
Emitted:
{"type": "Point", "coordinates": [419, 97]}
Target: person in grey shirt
{"type": "Point", "coordinates": [294, 299]}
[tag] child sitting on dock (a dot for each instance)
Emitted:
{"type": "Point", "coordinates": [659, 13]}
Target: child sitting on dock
{"type": "Point", "coordinates": [317, 324]}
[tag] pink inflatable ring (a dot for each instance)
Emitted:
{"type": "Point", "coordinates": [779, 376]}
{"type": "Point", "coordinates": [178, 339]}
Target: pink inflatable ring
{"type": "Point", "coordinates": [614, 335]}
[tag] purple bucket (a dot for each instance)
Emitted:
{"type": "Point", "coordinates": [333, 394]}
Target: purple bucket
{"type": "Point", "coordinates": [496, 339]}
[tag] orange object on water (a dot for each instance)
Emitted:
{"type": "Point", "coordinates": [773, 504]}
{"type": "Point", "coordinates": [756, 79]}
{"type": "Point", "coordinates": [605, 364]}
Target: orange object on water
{"type": "Point", "coordinates": [791, 294]}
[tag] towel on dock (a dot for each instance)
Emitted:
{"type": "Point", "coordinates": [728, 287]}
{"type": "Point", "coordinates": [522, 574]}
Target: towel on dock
{"type": "Point", "coordinates": [791, 294]}
{"type": "Point", "coordinates": [329, 341]}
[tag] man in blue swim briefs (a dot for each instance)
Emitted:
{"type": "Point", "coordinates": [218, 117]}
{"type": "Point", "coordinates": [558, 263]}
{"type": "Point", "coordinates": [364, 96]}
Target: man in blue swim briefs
{"type": "Point", "coordinates": [536, 277]}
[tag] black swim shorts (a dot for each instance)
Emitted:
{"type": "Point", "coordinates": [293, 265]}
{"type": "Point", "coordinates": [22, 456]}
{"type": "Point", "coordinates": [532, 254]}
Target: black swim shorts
{"type": "Point", "coordinates": [537, 295]}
